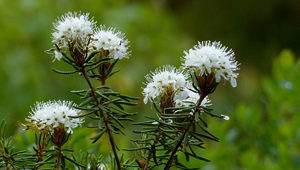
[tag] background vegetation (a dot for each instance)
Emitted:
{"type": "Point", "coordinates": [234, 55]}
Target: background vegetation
{"type": "Point", "coordinates": [264, 129]}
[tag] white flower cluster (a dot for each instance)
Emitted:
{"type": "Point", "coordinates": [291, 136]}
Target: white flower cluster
{"type": "Point", "coordinates": [78, 29]}
{"type": "Point", "coordinates": [212, 57]}
{"type": "Point", "coordinates": [165, 78]}
{"type": "Point", "coordinates": [52, 114]}
{"type": "Point", "coordinates": [73, 27]}
{"type": "Point", "coordinates": [187, 97]}
{"type": "Point", "coordinates": [111, 40]}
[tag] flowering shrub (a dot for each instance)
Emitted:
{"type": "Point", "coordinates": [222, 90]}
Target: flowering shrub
{"type": "Point", "coordinates": [179, 98]}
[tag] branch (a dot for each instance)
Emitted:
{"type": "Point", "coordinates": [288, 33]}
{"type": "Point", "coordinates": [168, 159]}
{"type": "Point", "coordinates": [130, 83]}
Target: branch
{"type": "Point", "coordinates": [11, 163]}
{"type": "Point", "coordinates": [58, 160]}
{"type": "Point", "coordinates": [186, 129]}
{"type": "Point", "coordinates": [152, 149]}
{"type": "Point", "coordinates": [105, 119]}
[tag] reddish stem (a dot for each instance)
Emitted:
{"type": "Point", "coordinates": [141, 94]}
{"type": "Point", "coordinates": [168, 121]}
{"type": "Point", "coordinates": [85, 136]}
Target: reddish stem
{"type": "Point", "coordinates": [170, 161]}
{"type": "Point", "coordinates": [152, 150]}
{"type": "Point", "coordinates": [58, 160]}
{"type": "Point", "coordinates": [105, 118]}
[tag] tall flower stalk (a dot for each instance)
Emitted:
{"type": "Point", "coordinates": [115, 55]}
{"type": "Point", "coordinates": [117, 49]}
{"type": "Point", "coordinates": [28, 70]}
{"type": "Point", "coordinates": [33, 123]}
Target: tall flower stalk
{"type": "Point", "coordinates": [163, 84]}
{"type": "Point", "coordinates": [208, 63]}
{"type": "Point", "coordinates": [93, 53]}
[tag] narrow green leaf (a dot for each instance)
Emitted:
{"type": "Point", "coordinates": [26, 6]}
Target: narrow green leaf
{"type": "Point", "coordinates": [96, 138]}
{"type": "Point", "coordinates": [205, 136]}
{"type": "Point", "coordinates": [112, 73]}
{"type": "Point", "coordinates": [78, 91]}
{"type": "Point", "coordinates": [64, 72]}
{"type": "Point", "coordinates": [88, 100]}
{"type": "Point", "coordinates": [116, 119]}
{"type": "Point", "coordinates": [113, 65]}
{"type": "Point", "coordinates": [74, 162]}
{"type": "Point", "coordinates": [103, 96]}
{"type": "Point", "coordinates": [91, 56]}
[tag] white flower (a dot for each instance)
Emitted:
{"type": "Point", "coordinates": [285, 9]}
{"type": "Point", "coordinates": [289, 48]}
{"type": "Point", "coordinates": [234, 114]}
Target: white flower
{"type": "Point", "coordinates": [57, 55]}
{"type": "Point", "coordinates": [52, 114]}
{"type": "Point", "coordinates": [163, 79]}
{"type": "Point", "coordinates": [212, 57]}
{"type": "Point", "coordinates": [187, 97]}
{"type": "Point", "coordinates": [73, 28]}
{"type": "Point", "coordinates": [111, 40]}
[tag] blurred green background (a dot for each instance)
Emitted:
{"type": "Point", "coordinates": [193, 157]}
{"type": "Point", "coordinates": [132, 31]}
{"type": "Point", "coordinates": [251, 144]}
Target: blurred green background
{"type": "Point", "coordinates": [264, 129]}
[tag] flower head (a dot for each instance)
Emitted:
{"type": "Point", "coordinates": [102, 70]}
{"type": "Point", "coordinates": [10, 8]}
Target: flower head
{"type": "Point", "coordinates": [212, 58]}
{"type": "Point", "coordinates": [112, 41]}
{"type": "Point", "coordinates": [73, 28]}
{"type": "Point", "coordinates": [162, 81]}
{"type": "Point", "coordinates": [54, 114]}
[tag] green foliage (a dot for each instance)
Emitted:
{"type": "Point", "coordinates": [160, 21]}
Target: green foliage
{"type": "Point", "coordinates": [9, 157]}
{"type": "Point", "coordinates": [261, 135]}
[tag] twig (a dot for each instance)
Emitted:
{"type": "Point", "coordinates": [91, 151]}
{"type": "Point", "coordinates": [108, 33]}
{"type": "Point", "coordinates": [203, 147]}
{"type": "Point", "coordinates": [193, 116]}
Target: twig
{"type": "Point", "coordinates": [105, 119]}
{"type": "Point", "coordinates": [11, 163]}
{"type": "Point", "coordinates": [152, 149]}
{"type": "Point", "coordinates": [58, 160]}
{"type": "Point", "coordinates": [170, 160]}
